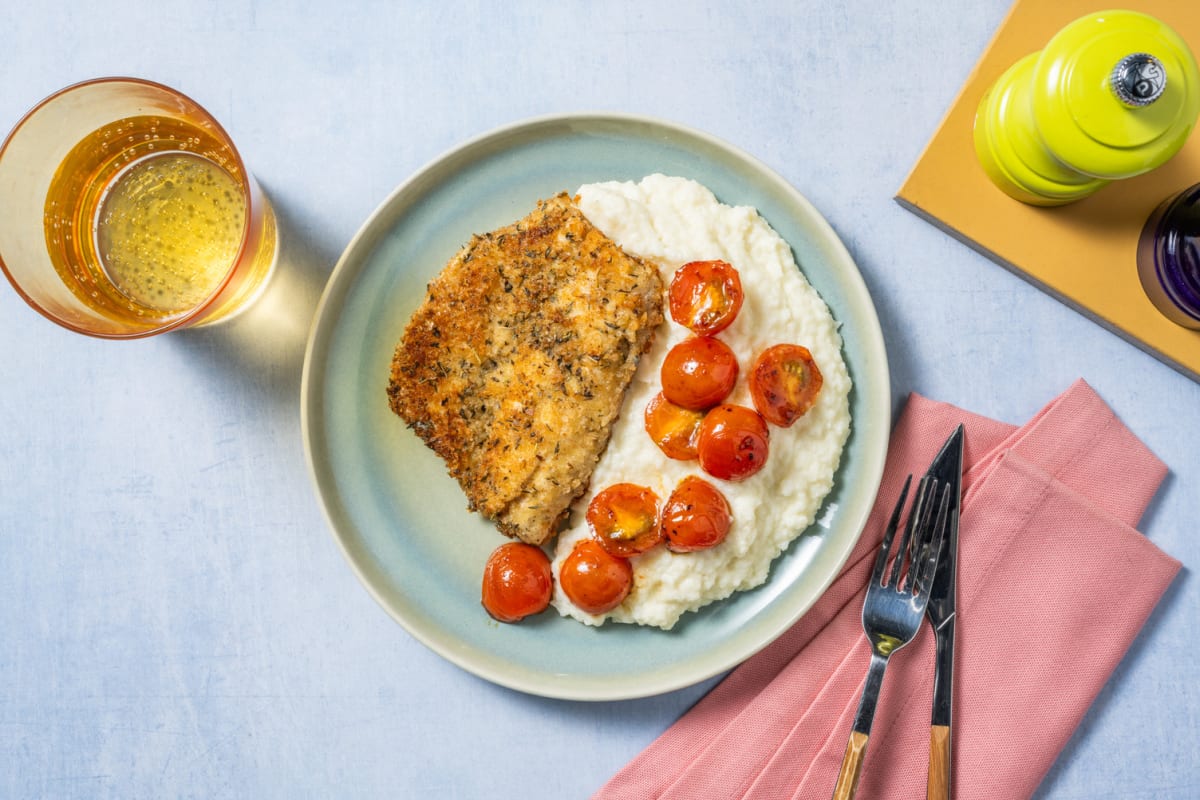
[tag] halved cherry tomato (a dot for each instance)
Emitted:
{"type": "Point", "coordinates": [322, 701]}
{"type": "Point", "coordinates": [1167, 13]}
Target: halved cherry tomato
{"type": "Point", "coordinates": [699, 372]}
{"type": "Point", "coordinates": [697, 516]}
{"type": "Point", "coordinates": [733, 442]}
{"type": "Point", "coordinates": [673, 428]}
{"type": "Point", "coordinates": [624, 519]}
{"type": "Point", "coordinates": [784, 383]}
{"type": "Point", "coordinates": [705, 296]}
{"type": "Point", "coordinates": [593, 579]}
{"type": "Point", "coordinates": [516, 582]}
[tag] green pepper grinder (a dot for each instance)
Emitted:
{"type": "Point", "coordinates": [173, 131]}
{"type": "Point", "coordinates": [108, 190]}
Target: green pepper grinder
{"type": "Point", "coordinates": [1112, 95]}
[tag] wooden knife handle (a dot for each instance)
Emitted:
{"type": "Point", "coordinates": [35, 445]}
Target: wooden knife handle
{"type": "Point", "coordinates": [852, 761]}
{"type": "Point", "coordinates": [938, 787]}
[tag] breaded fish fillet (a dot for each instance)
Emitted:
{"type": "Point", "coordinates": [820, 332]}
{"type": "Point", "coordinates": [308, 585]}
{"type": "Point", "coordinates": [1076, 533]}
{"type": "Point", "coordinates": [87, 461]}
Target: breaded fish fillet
{"type": "Point", "coordinates": [514, 367]}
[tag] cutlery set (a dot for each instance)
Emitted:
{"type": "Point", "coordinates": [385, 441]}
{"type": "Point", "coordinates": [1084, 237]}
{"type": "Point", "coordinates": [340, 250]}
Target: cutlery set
{"type": "Point", "coordinates": [899, 599]}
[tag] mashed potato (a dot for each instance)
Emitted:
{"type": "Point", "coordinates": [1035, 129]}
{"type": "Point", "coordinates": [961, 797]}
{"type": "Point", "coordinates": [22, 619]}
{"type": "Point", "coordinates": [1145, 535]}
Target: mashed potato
{"type": "Point", "coordinates": [672, 221]}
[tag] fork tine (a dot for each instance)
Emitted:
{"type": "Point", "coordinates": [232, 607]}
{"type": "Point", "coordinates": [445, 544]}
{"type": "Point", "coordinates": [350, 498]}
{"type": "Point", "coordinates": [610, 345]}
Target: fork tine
{"type": "Point", "coordinates": [914, 518]}
{"type": "Point", "coordinates": [923, 515]}
{"type": "Point", "coordinates": [888, 534]}
{"type": "Point", "coordinates": [933, 545]}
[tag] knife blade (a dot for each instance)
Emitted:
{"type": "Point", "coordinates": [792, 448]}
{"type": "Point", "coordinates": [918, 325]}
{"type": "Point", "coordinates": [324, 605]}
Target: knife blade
{"type": "Point", "coordinates": [941, 613]}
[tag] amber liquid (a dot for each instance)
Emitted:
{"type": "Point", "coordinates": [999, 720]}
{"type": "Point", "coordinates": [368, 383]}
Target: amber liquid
{"type": "Point", "coordinates": [145, 220]}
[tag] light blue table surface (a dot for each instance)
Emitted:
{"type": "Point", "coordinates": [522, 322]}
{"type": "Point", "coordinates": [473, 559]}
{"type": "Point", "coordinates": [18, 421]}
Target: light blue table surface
{"type": "Point", "coordinates": [175, 617]}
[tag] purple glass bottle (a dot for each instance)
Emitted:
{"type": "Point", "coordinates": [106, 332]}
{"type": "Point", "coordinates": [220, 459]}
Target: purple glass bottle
{"type": "Point", "coordinates": [1169, 258]}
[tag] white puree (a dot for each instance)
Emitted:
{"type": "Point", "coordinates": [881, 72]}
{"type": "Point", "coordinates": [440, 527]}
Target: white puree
{"type": "Point", "coordinates": [672, 221]}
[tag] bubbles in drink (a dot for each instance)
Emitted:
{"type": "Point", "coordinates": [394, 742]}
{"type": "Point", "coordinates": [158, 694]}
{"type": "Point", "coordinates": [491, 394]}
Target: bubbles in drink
{"type": "Point", "coordinates": [168, 230]}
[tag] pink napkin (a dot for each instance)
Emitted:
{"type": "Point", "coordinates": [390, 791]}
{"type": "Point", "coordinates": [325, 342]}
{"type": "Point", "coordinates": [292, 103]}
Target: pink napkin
{"type": "Point", "coordinates": [1054, 583]}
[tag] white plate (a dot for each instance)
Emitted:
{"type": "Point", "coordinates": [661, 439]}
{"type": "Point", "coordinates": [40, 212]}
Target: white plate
{"type": "Point", "coordinates": [402, 522]}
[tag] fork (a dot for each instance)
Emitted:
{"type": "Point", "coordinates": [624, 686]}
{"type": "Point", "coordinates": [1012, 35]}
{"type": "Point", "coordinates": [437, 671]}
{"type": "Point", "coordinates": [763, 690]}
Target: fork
{"type": "Point", "coordinates": [893, 609]}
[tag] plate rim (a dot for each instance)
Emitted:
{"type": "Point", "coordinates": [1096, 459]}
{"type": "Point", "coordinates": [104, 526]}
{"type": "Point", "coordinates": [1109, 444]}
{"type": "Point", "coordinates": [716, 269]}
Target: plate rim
{"type": "Point", "coordinates": [656, 682]}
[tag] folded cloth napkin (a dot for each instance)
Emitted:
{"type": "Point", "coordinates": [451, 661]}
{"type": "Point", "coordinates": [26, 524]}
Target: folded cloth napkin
{"type": "Point", "coordinates": [1054, 583]}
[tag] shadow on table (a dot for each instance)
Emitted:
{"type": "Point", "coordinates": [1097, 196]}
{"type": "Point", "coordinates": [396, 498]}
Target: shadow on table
{"type": "Point", "coordinates": [265, 344]}
{"type": "Point", "coordinates": [903, 369]}
{"type": "Point", "coordinates": [653, 714]}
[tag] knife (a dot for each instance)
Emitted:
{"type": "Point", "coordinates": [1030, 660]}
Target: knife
{"type": "Point", "coordinates": [946, 467]}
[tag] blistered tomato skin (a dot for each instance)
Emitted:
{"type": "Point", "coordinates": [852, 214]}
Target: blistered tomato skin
{"type": "Point", "coordinates": [699, 372]}
{"type": "Point", "coordinates": [784, 383]}
{"type": "Point", "coordinates": [517, 582]}
{"type": "Point", "coordinates": [593, 579]}
{"type": "Point", "coordinates": [696, 516]}
{"type": "Point", "coordinates": [673, 428]}
{"type": "Point", "coordinates": [705, 296]}
{"type": "Point", "coordinates": [733, 442]}
{"type": "Point", "coordinates": [624, 519]}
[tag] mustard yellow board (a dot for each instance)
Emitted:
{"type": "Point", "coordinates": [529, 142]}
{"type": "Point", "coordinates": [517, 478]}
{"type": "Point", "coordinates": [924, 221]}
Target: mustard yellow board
{"type": "Point", "coordinates": [1082, 253]}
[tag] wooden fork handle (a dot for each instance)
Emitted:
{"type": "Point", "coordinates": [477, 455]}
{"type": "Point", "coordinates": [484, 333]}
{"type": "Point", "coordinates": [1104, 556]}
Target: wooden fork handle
{"type": "Point", "coordinates": [852, 761]}
{"type": "Point", "coordinates": [938, 786]}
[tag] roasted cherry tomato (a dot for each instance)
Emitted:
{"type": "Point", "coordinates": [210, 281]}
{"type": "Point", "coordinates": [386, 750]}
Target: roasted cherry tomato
{"type": "Point", "coordinates": [733, 442]}
{"type": "Point", "coordinates": [696, 516]}
{"type": "Point", "coordinates": [705, 296]}
{"type": "Point", "coordinates": [516, 582]}
{"type": "Point", "coordinates": [784, 383]}
{"type": "Point", "coordinates": [699, 372]}
{"type": "Point", "coordinates": [593, 579]}
{"type": "Point", "coordinates": [624, 519]}
{"type": "Point", "coordinates": [673, 428]}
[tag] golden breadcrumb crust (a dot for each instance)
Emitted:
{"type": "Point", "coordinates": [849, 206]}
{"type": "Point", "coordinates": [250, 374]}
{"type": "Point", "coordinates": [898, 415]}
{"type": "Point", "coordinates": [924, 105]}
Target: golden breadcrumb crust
{"type": "Point", "coordinates": [514, 367]}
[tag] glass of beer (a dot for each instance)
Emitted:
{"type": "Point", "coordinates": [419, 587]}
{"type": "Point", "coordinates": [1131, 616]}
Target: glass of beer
{"type": "Point", "coordinates": [126, 211]}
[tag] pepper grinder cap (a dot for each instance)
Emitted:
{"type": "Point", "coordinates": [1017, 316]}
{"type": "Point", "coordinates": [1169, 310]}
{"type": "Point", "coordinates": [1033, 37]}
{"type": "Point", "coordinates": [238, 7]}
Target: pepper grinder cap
{"type": "Point", "coordinates": [1138, 79]}
{"type": "Point", "coordinates": [1114, 122]}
